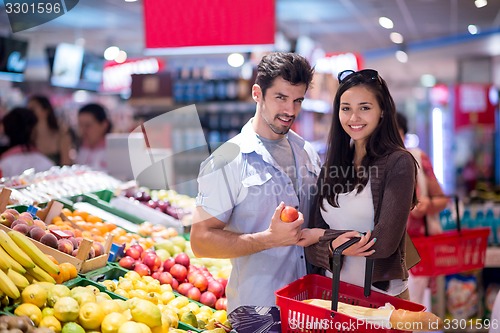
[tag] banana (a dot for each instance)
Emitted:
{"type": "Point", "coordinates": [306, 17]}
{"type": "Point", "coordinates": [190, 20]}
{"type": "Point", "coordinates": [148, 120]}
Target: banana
{"type": "Point", "coordinates": [19, 280]}
{"type": "Point", "coordinates": [4, 263]}
{"type": "Point", "coordinates": [38, 257]}
{"type": "Point", "coordinates": [8, 287]}
{"type": "Point", "coordinates": [30, 278]}
{"type": "Point", "coordinates": [40, 275]}
{"type": "Point", "coordinates": [13, 264]}
{"type": "Point", "coordinates": [15, 252]}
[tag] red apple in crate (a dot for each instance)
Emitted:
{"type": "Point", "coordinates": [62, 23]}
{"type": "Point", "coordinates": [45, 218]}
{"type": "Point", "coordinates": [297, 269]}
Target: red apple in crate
{"type": "Point", "coordinates": [222, 281]}
{"type": "Point", "coordinates": [184, 288]}
{"type": "Point", "coordinates": [289, 214]}
{"type": "Point", "coordinates": [165, 278]}
{"type": "Point", "coordinates": [133, 252]}
{"type": "Point", "coordinates": [167, 264]}
{"type": "Point", "coordinates": [216, 288]}
{"type": "Point", "coordinates": [142, 269]}
{"type": "Point", "coordinates": [183, 259]}
{"type": "Point", "coordinates": [156, 275]}
{"type": "Point", "coordinates": [144, 253]}
{"type": "Point", "coordinates": [208, 298]}
{"type": "Point", "coordinates": [174, 284]}
{"type": "Point", "coordinates": [179, 272]}
{"type": "Point", "coordinates": [199, 281]}
{"type": "Point", "coordinates": [127, 262]}
{"type": "Point", "coordinates": [194, 294]}
{"type": "Point", "coordinates": [152, 261]}
{"type": "Point", "coordinates": [221, 304]}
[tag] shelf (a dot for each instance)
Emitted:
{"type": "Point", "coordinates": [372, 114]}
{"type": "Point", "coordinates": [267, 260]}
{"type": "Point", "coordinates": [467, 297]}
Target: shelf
{"type": "Point", "coordinates": [492, 257]}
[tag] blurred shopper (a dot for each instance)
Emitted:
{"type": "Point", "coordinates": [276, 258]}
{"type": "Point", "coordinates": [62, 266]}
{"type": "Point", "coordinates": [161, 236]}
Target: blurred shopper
{"type": "Point", "coordinates": [21, 155]}
{"type": "Point", "coordinates": [431, 200]}
{"type": "Point", "coordinates": [495, 316]}
{"type": "Point", "coordinates": [51, 137]}
{"type": "Point", "coordinates": [367, 185]}
{"type": "Point", "coordinates": [93, 125]}
{"type": "Point", "coordinates": [244, 184]}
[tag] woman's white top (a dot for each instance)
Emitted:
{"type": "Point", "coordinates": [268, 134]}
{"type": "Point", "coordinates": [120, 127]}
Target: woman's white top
{"type": "Point", "coordinates": [356, 212]}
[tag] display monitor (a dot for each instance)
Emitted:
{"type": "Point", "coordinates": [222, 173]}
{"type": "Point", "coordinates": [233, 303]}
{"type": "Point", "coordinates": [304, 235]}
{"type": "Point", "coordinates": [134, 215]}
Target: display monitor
{"type": "Point", "coordinates": [67, 67]}
{"type": "Point", "coordinates": [13, 58]}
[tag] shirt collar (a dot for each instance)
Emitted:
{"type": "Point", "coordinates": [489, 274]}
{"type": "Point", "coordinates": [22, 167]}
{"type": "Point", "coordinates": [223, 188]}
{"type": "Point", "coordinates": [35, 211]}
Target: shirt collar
{"type": "Point", "coordinates": [251, 141]}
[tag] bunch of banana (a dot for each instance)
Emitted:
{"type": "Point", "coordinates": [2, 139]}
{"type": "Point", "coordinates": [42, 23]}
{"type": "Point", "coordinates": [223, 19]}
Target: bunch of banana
{"type": "Point", "coordinates": [21, 262]}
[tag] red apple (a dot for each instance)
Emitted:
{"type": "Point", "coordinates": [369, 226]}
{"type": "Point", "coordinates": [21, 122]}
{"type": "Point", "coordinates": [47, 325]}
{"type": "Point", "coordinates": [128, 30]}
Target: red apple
{"type": "Point", "coordinates": [156, 275]}
{"type": "Point", "coordinates": [174, 284]}
{"type": "Point", "coordinates": [208, 298]}
{"type": "Point", "coordinates": [183, 259]}
{"type": "Point", "coordinates": [142, 269]}
{"type": "Point", "coordinates": [167, 264]}
{"type": "Point", "coordinates": [199, 281]}
{"type": "Point", "coordinates": [221, 304]}
{"type": "Point", "coordinates": [289, 214]}
{"type": "Point", "coordinates": [216, 288]}
{"type": "Point", "coordinates": [127, 262]}
{"type": "Point", "coordinates": [179, 272]}
{"type": "Point", "coordinates": [165, 278]}
{"type": "Point", "coordinates": [222, 281]}
{"type": "Point", "coordinates": [152, 261]}
{"type": "Point", "coordinates": [144, 253]}
{"type": "Point", "coordinates": [133, 252]}
{"type": "Point", "coordinates": [184, 288]}
{"type": "Point", "coordinates": [194, 294]}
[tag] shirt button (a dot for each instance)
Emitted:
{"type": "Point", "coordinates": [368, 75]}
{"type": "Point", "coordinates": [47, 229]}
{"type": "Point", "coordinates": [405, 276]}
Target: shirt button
{"type": "Point", "coordinates": [301, 257]}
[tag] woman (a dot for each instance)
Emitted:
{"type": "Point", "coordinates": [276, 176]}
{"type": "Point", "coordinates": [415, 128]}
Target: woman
{"type": "Point", "coordinates": [21, 155]}
{"type": "Point", "coordinates": [93, 125]}
{"type": "Point", "coordinates": [50, 137]}
{"type": "Point", "coordinates": [366, 185]}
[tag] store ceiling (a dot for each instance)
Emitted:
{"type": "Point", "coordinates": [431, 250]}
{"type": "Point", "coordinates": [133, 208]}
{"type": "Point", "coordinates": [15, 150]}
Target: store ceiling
{"type": "Point", "coordinates": [336, 25]}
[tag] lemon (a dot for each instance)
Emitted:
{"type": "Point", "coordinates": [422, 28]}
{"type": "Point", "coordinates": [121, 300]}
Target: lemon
{"type": "Point", "coordinates": [122, 292]}
{"type": "Point", "coordinates": [66, 309]}
{"type": "Point", "coordinates": [144, 328]}
{"type": "Point", "coordinates": [35, 294]}
{"type": "Point", "coordinates": [130, 327]}
{"type": "Point", "coordinates": [47, 311]}
{"type": "Point", "coordinates": [51, 322]}
{"type": "Point", "coordinates": [30, 310]}
{"type": "Point", "coordinates": [56, 292]}
{"type": "Point", "coordinates": [132, 275]}
{"type": "Point", "coordinates": [93, 289]}
{"type": "Point", "coordinates": [90, 315]}
{"type": "Point", "coordinates": [165, 287]}
{"type": "Point", "coordinates": [166, 297]}
{"type": "Point", "coordinates": [179, 302]}
{"type": "Point", "coordinates": [72, 328]}
{"type": "Point", "coordinates": [102, 296]}
{"type": "Point", "coordinates": [166, 323]}
{"type": "Point", "coordinates": [109, 284]}
{"type": "Point", "coordinates": [190, 319]}
{"type": "Point", "coordinates": [145, 312]}
{"type": "Point", "coordinates": [112, 322]}
{"type": "Point", "coordinates": [220, 316]}
{"type": "Point", "coordinates": [109, 306]}
{"type": "Point", "coordinates": [83, 296]}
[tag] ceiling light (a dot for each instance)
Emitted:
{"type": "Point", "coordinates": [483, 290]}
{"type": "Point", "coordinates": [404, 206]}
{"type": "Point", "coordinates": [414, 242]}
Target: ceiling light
{"type": "Point", "coordinates": [396, 37]}
{"type": "Point", "coordinates": [235, 60]}
{"type": "Point", "coordinates": [121, 57]}
{"type": "Point", "coordinates": [386, 22]}
{"type": "Point", "coordinates": [472, 29]}
{"type": "Point", "coordinates": [402, 56]}
{"type": "Point", "coordinates": [111, 53]}
{"type": "Point", "coordinates": [480, 3]}
{"type": "Point", "coordinates": [130, 0]}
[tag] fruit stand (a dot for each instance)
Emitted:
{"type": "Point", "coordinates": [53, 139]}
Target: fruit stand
{"type": "Point", "coordinates": [75, 258]}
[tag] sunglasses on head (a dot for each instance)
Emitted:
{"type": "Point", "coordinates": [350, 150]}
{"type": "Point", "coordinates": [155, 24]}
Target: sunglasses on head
{"type": "Point", "coordinates": [366, 74]}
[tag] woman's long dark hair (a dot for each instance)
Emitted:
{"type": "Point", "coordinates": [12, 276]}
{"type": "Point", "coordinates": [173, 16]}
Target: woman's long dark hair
{"type": "Point", "coordinates": [47, 106]}
{"type": "Point", "coordinates": [339, 174]}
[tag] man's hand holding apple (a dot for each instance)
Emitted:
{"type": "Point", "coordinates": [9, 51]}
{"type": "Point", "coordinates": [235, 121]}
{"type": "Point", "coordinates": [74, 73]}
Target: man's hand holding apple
{"type": "Point", "coordinates": [282, 233]}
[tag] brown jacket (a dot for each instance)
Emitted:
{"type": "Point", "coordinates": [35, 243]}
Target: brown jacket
{"type": "Point", "coordinates": [392, 180]}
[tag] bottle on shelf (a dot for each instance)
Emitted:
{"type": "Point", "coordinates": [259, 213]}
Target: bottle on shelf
{"type": "Point", "coordinates": [467, 221]}
{"type": "Point", "coordinates": [490, 222]}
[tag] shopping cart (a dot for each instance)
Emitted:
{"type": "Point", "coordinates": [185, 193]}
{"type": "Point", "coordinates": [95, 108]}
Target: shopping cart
{"type": "Point", "coordinates": [297, 316]}
{"type": "Point", "coordinates": [452, 251]}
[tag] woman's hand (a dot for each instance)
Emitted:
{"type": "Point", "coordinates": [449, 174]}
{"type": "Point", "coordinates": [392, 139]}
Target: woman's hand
{"type": "Point", "coordinates": [310, 236]}
{"type": "Point", "coordinates": [359, 249]}
{"type": "Point", "coordinates": [421, 208]}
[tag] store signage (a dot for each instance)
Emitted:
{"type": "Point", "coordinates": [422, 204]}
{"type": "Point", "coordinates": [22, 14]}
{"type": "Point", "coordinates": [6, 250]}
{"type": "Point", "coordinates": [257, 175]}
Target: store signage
{"type": "Point", "coordinates": [117, 77]}
{"type": "Point", "coordinates": [202, 23]}
{"type": "Point", "coordinates": [473, 105]}
{"type": "Point", "coordinates": [337, 62]}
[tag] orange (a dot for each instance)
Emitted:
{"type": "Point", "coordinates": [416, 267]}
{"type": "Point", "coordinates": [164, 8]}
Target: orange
{"type": "Point", "coordinates": [67, 212]}
{"type": "Point", "coordinates": [70, 269]}
{"type": "Point", "coordinates": [56, 219]}
{"type": "Point", "coordinates": [93, 219]}
{"type": "Point", "coordinates": [54, 260]}
{"type": "Point", "coordinates": [82, 214]}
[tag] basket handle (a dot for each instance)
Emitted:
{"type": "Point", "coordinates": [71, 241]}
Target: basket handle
{"type": "Point", "coordinates": [336, 266]}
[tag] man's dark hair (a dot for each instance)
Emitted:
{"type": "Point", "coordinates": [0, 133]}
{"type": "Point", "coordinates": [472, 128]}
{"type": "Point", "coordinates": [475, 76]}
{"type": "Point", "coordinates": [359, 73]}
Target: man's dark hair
{"type": "Point", "coordinates": [292, 67]}
{"type": "Point", "coordinates": [18, 126]}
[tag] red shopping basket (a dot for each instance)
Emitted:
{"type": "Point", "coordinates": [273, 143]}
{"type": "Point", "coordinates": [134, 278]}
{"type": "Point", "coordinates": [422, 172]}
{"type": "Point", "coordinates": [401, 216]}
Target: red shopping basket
{"type": "Point", "coordinates": [297, 316]}
{"type": "Point", "coordinates": [451, 252]}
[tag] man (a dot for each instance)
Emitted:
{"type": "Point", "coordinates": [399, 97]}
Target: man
{"type": "Point", "coordinates": [245, 184]}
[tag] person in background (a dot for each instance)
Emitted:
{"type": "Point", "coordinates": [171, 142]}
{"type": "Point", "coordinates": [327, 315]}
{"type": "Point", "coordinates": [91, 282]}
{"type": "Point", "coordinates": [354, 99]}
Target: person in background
{"type": "Point", "coordinates": [431, 200]}
{"type": "Point", "coordinates": [366, 188]}
{"type": "Point", "coordinates": [93, 125]}
{"type": "Point", "coordinates": [50, 136]}
{"type": "Point", "coordinates": [245, 184]}
{"type": "Point", "coordinates": [21, 154]}
{"type": "Point", "coordinates": [495, 316]}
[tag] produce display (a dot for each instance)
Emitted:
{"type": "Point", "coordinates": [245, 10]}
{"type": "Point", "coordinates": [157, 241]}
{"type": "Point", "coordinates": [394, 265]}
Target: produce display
{"type": "Point", "coordinates": [156, 285]}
